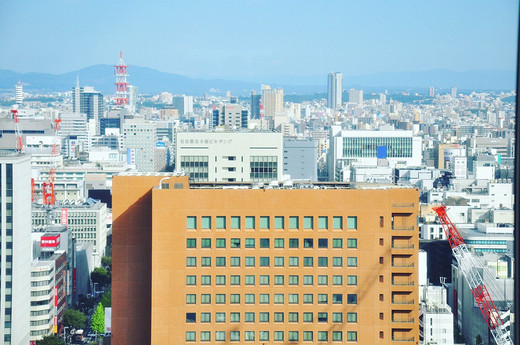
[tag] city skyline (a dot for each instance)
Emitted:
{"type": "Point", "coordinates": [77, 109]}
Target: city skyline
{"type": "Point", "coordinates": [253, 39]}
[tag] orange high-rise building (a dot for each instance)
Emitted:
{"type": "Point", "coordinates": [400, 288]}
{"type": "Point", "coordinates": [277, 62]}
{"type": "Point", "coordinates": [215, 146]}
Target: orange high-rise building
{"type": "Point", "coordinates": [205, 263]}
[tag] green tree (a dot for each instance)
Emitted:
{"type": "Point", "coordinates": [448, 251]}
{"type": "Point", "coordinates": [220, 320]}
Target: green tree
{"type": "Point", "coordinates": [50, 340]}
{"type": "Point", "coordinates": [100, 276]}
{"type": "Point", "coordinates": [74, 318]}
{"type": "Point", "coordinates": [106, 299]}
{"type": "Point", "coordinates": [478, 340]}
{"type": "Point", "coordinates": [106, 261]}
{"type": "Point", "coordinates": [98, 319]}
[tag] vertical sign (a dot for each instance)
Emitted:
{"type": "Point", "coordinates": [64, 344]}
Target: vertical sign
{"type": "Point", "coordinates": [64, 216]}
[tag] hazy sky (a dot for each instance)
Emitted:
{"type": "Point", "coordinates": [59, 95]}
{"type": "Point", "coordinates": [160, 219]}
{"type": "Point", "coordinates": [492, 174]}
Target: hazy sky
{"type": "Point", "coordinates": [244, 39]}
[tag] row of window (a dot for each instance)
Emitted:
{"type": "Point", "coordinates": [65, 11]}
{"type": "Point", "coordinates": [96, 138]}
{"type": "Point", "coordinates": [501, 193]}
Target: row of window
{"type": "Point", "coordinates": [265, 298]}
{"type": "Point", "coordinates": [206, 280]}
{"type": "Point", "coordinates": [250, 317]}
{"type": "Point", "coordinates": [277, 336]}
{"type": "Point", "coordinates": [264, 222]}
{"type": "Point", "coordinates": [251, 243]}
{"type": "Point", "coordinates": [277, 261]}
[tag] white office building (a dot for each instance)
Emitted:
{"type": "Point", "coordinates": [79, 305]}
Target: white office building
{"type": "Point", "coordinates": [230, 156]}
{"type": "Point", "coordinates": [15, 234]}
{"type": "Point", "coordinates": [334, 90]}
{"type": "Point", "coordinates": [139, 140]}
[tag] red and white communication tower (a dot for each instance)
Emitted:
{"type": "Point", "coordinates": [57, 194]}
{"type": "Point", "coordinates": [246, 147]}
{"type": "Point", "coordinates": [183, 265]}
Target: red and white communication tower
{"type": "Point", "coordinates": [48, 187]}
{"type": "Point", "coordinates": [468, 266]}
{"type": "Point", "coordinates": [121, 83]}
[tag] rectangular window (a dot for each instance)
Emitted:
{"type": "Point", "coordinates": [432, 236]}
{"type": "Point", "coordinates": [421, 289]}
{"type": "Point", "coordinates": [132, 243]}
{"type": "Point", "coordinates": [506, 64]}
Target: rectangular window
{"type": "Point", "coordinates": [235, 243]}
{"type": "Point", "coordinates": [293, 222]}
{"type": "Point", "coordinates": [220, 317]}
{"type": "Point", "coordinates": [293, 261]}
{"type": "Point", "coordinates": [263, 335]}
{"type": "Point", "coordinates": [264, 298]}
{"type": "Point", "coordinates": [352, 298]}
{"type": "Point", "coordinates": [307, 280]}
{"type": "Point", "coordinates": [205, 298]}
{"type": "Point", "coordinates": [249, 336]}
{"type": "Point", "coordinates": [263, 316]}
{"type": "Point", "coordinates": [220, 280]}
{"type": "Point", "coordinates": [278, 335]}
{"type": "Point", "coordinates": [191, 261]}
{"type": "Point", "coordinates": [191, 243]}
{"type": "Point", "coordinates": [352, 317]}
{"type": "Point", "coordinates": [234, 280]}
{"type": "Point", "coordinates": [323, 280]}
{"type": "Point", "coordinates": [337, 298]}
{"type": "Point", "coordinates": [307, 335]}
{"type": "Point", "coordinates": [352, 261]}
{"type": "Point", "coordinates": [191, 280]}
{"type": "Point", "coordinates": [264, 261]}
{"type": "Point", "coordinates": [323, 222]}
{"type": "Point", "coordinates": [337, 317]}
{"type": "Point", "coordinates": [307, 317]}
{"type": "Point", "coordinates": [234, 335]}
{"type": "Point", "coordinates": [308, 243]}
{"type": "Point", "coordinates": [206, 222]}
{"type": "Point", "coordinates": [323, 243]}
{"type": "Point", "coordinates": [323, 261]}
{"type": "Point", "coordinates": [278, 298]}
{"type": "Point", "coordinates": [278, 242]}
{"type": "Point", "coordinates": [278, 280]}
{"type": "Point", "coordinates": [323, 298]}
{"type": "Point", "coordinates": [221, 222]}
{"type": "Point", "coordinates": [279, 261]}
{"type": "Point", "coordinates": [250, 222]}
{"type": "Point", "coordinates": [293, 280]}
{"type": "Point", "coordinates": [220, 243]}
{"type": "Point", "coordinates": [205, 317]}
{"type": "Point", "coordinates": [337, 336]}
{"type": "Point", "coordinates": [308, 261]}
{"type": "Point", "coordinates": [205, 243]}
{"type": "Point", "coordinates": [308, 298]}
{"type": "Point", "coordinates": [278, 222]}
{"type": "Point", "coordinates": [352, 243]}
{"type": "Point", "coordinates": [220, 261]}
{"type": "Point", "coordinates": [293, 298]}
{"type": "Point", "coordinates": [264, 243]}
{"type": "Point", "coordinates": [293, 335]}
{"type": "Point", "coordinates": [323, 336]}
{"type": "Point", "coordinates": [191, 222]}
{"type": "Point", "coordinates": [352, 222]}
{"type": "Point", "coordinates": [248, 316]}
{"type": "Point", "coordinates": [220, 335]}
{"type": "Point", "coordinates": [250, 279]}
{"type": "Point", "coordinates": [190, 336]}
{"type": "Point", "coordinates": [352, 280]}
{"type": "Point", "coordinates": [381, 221]}
{"type": "Point", "coordinates": [337, 261]}
{"type": "Point", "coordinates": [337, 243]}
{"type": "Point", "coordinates": [264, 280]}
{"type": "Point", "coordinates": [293, 317]}
{"type": "Point", "coordinates": [205, 280]}
{"type": "Point", "coordinates": [191, 299]}
{"type": "Point", "coordinates": [250, 261]}
{"type": "Point", "coordinates": [234, 317]}
{"type": "Point", "coordinates": [293, 243]}
{"type": "Point", "coordinates": [234, 298]}
{"type": "Point", "coordinates": [249, 298]}
{"type": "Point", "coordinates": [323, 317]}
{"type": "Point", "coordinates": [234, 261]}
{"type": "Point", "coordinates": [235, 222]}
{"type": "Point", "coordinates": [337, 222]}
{"type": "Point", "coordinates": [264, 222]}
{"type": "Point", "coordinates": [351, 336]}
{"type": "Point", "coordinates": [205, 336]}
{"type": "Point", "coordinates": [190, 317]}
{"type": "Point", "coordinates": [337, 280]}
{"type": "Point", "coordinates": [278, 317]}
{"type": "Point", "coordinates": [250, 242]}
{"type": "Point", "coordinates": [308, 222]}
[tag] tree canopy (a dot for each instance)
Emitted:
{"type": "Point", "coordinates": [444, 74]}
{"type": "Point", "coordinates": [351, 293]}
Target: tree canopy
{"type": "Point", "coordinates": [100, 276]}
{"type": "Point", "coordinates": [106, 299]}
{"type": "Point", "coordinates": [50, 340]}
{"type": "Point", "coordinates": [98, 319]}
{"type": "Point", "coordinates": [74, 318]}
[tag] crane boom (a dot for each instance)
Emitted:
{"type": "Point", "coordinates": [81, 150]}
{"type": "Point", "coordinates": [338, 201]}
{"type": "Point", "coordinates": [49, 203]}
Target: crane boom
{"type": "Point", "coordinates": [468, 267]}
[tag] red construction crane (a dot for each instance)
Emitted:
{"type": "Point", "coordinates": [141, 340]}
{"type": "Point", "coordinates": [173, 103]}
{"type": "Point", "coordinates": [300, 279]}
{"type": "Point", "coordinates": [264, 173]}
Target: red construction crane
{"type": "Point", "coordinates": [19, 139]}
{"type": "Point", "coordinates": [48, 187]}
{"type": "Point", "coordinates": [473, 278]}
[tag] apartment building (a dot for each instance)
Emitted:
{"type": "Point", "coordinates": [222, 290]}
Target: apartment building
{"type": "Point", "coordinates": [226, 263]}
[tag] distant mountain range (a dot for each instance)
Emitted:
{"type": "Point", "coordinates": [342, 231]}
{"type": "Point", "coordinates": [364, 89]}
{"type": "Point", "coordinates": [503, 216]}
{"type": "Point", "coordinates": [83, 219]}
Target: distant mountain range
{"type": "Point", "coordinates": [151, 81]}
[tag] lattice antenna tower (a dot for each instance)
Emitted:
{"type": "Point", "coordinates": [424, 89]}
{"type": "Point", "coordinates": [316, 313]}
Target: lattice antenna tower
{"type": "Point", "coordinates": [121, 82]}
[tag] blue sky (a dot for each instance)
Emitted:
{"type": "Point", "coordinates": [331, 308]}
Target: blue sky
{"type": "Point", "coordinates": [244, 39]}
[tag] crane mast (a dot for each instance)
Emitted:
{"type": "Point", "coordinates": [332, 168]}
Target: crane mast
{"type": "Point", "coordinates": [468, 267]}
{"type": "Point", "coordinates": [48, 187]}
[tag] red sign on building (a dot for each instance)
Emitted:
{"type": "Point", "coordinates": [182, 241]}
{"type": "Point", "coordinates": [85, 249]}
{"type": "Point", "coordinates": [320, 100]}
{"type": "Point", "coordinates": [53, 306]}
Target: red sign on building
{"type": "Point", "coordinates": [50, 241]}
{"type": "Point", "coordinates": [64, 216]}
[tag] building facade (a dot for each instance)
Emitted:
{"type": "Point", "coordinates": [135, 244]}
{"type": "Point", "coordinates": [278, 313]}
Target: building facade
{"type": "Point", "coordinates": [15, 263]}
{"type": "Point", "coordinates": [335, 90]}
{"type": "Point", "coordinates": [318, 265]}
{"type": "Point", "coordinates": [300, 159]}
{"type": "Point", "coordinates": [272, 100]}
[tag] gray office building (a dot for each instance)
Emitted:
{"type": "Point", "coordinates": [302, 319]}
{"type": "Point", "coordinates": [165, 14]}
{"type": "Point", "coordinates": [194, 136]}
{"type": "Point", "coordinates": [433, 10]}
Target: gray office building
{"type": "Point", "coordinates": [334, 90]}
{"type": "Point", "coordinates": [300, 158]}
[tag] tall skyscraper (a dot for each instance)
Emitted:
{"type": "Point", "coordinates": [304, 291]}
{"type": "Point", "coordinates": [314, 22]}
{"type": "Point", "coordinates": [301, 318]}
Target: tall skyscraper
{"type": "Point", "coordinates": [431, 91]}
{"type": "Point", "coordinates": [255, 105]}
{"type": "Point", "coordinates": [86, 100]}
{"type": "Point", "coordinates": [229, 264]}
{"type": "Point", "coordinates": [272, 100]}
{"type": "Point", "coordinates": [453, 92]}
{"type": "Point", "coordinates": [15, 256]}
{"type": "Point", "coordinates": [335, 90]}
{"type": "Point", "coordinates": [184, 104]}
{"type": "Point", "coordinates": [18, 93]}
